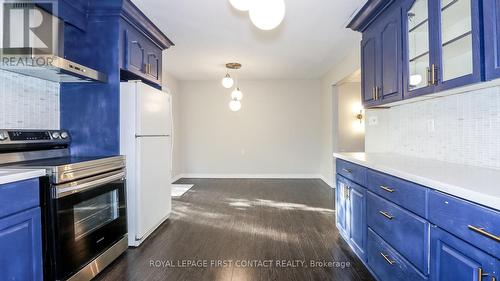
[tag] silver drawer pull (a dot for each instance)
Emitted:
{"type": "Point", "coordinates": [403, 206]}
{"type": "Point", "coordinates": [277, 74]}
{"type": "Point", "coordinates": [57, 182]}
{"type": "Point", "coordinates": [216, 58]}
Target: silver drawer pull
{"type": "Point", "coordinates": [387, 189]}
{"type": "Point", "coordinates": [387, 259]}
{"type": "Point", "coordinates": [386, 214]}
{"type": "Point", "coordinates": [347, 171]}
{"type": "Point", "coordinates": [481, 231]}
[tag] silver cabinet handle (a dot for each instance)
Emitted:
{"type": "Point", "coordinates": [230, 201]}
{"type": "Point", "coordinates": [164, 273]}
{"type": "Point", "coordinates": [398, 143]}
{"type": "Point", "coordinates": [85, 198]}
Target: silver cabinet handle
{"type": "Point", "coordinates": [387, 259]}
{"type": "Point", "coordinates": [387, 189]}
{"type": "Point", "coordinates": [386, 214]}
{"type": "Point", "coordinates": [347, 171]}
{"type": "Point", "coordinates": [483, 232]}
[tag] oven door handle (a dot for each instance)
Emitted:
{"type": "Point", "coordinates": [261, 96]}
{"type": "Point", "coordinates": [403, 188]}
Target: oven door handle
{"type": "Point", "coordinates": [65, 191]}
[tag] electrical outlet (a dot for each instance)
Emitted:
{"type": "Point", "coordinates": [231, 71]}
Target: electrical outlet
{"type": "Point", "coordinates": [431, 128]}
{"type": "Point", "coordinates": [373, 121]}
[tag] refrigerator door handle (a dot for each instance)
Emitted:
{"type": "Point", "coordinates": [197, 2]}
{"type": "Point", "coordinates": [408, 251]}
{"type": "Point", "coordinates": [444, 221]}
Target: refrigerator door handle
{"type": "Point", "coordinates": [151, 136]}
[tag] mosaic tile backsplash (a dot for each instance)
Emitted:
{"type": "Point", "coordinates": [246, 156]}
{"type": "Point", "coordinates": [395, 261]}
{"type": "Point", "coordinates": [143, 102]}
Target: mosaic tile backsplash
{"type": "Point", "coordinates": [463, 129]}
{"type": "Point", "coordinates": [28, 103]}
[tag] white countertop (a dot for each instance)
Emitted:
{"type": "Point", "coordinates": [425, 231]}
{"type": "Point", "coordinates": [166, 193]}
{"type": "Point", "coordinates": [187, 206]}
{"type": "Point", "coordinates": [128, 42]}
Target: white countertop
{"type": "Point", "coordinates": [480, 185]}
{"type": "Point", "coordinates": [13, 175]}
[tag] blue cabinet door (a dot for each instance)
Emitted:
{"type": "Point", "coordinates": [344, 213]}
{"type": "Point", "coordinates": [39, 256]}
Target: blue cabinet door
{"type": "Point", "coordinates": [368, 68]}
{"type": "Point", "coordinates": [356, 209]}
{"type": "Point", "coordinates": [340, 205]}
{"type": "Point", "coordinates": [134, 57]}
{"type": "Point", "coordinates": [491, 22]}
{"type": "Point", "coordinates": [389, 54]}
{"type": "Point", "coordinates": [453, 259]}
{"type": "Point", "coordinates": [20, 246]}
{"type": "Point", "coordinates": [458, 43]}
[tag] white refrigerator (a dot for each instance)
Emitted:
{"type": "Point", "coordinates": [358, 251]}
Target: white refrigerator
{"type": "Point", "coordinates": [146, 141]}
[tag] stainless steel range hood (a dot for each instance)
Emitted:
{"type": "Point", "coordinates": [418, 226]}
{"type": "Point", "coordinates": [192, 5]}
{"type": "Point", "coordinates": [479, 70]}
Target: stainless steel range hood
{"type": "Point", "coordinates": [51, 68]}
{"type": "Point", "coordinates": [47, 62]}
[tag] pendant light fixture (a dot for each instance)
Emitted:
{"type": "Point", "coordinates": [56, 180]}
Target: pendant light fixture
{"type": "Point", "coordinates": [236, 94]}
{"type": "Point", "coordinates": [227, 82]}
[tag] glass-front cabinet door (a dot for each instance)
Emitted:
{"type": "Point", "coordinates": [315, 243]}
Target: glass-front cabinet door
{"type": "Point", "coordinates": [419, 53]}
{"type": "Point", "coordinates": [459, 55]}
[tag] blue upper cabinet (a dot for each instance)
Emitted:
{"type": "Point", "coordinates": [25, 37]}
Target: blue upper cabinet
{"type": "Point", "coordinates": [382, 59]}
{"type": "Point", "coordinates": [442, 45]}
{"type": "Point", "coordinates": [491, 12]}
{"type": "Point", "coordinates": [424, 46]}
{"type": "Point", "coordinates": [142, 43]}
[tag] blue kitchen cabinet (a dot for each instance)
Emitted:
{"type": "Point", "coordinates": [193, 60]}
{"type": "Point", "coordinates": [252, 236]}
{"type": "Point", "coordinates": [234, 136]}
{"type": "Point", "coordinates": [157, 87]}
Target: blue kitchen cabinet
{"type": "Point", "coordinates": [368, 68]}
{"type": "Point", "coordinates": [455, 260]}
{"type": "Point", "coordinates": [351, 214]}
{"type": "Point", "coordinates": [382, 59]}
{"type": "Point", "coordinates": [491, 22]}
{"type": "Point", "coordinates": [20, 231]}
{"type": "Point", "coordinates": [412, 48]}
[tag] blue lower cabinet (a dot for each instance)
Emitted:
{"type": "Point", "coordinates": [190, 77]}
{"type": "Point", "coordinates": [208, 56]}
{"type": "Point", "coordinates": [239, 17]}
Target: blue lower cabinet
{"type": "Point", "coordinates": [404, 231]}
{"type": "Point", "coordinates": [351, 214]}
{"type": "Point", "coordinates": [356, 210]}
{"type": "Point", "coordinates": [20, 247]}
{"type": "Point", "coordinates": [453, 259]}
{"type": "Point", "coordinates": [387, 263]}
{"type": "Point", "coordinates": [340, 206]}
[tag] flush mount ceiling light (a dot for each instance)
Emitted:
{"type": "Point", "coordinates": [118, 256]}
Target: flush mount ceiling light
{"type": "Point", "coordinates": [241, 5]}
{"type": "Point", "coordinates": [267, 14]}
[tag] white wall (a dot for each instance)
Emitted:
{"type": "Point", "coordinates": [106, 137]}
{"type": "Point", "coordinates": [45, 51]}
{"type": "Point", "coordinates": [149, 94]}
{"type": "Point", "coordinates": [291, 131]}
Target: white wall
{"type": "Point", "coordinates": [329, 109]}
{"type": "Point", "coordinates": [466, 129]}
{"type": "Point", "coordinates": [276, 133]}
{"type": "Point", "coordinates": [28, 103]}
{"type": "Point", "coordinates": [171, 85]}
{"type": "Point", "coordinates": [350, 134]}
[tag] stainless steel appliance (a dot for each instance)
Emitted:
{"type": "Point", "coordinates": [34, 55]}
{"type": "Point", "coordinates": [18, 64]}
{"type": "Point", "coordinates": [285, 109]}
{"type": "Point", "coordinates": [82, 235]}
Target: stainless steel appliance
{"type": "Point", "coordinates": [84, 217]}
{"type": "Point", "coordinates": [37, 62]}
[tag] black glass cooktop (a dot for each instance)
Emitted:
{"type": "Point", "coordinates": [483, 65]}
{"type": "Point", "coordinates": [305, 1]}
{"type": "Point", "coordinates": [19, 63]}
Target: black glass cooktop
{"type": "Point", "coordinates": [60, 161]}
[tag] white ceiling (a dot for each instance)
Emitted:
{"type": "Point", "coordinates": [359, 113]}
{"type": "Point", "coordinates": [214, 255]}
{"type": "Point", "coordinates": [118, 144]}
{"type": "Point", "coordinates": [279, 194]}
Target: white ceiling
{"type": "Point", "coordinates": [209, 33]}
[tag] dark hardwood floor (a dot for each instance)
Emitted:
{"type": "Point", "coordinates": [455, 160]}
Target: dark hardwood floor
{"type": "Point", "coordinates": [273, 225]}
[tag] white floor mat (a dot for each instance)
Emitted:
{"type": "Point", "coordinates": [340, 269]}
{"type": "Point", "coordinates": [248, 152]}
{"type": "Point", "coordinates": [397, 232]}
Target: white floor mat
{"type": "Point", "coordinates": [179, 189]}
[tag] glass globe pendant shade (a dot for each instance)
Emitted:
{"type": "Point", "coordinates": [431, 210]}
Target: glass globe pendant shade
{"type": "Point", "coordinates": [235, 105]}
{"type": "Point", "coordinates": [237, 94]}
{"type": "Point", "coordinates": [227, 82]}
{"type": "Point", "coordinates": [267, 14]}
{"type": "Point", "coordinates": [241, 5]}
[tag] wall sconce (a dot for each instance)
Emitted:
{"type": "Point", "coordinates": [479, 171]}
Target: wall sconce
{"type": "Point", "coordinates": [360, 116]}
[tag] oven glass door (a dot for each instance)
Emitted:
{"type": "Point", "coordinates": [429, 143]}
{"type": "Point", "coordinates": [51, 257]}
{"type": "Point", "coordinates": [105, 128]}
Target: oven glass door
{"type": "Point", "coordinates": [91, 217]}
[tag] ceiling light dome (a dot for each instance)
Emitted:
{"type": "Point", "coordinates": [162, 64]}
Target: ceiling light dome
{"type": "Point", "coordinates": [241, 5]}
{"type": "Point", "coordinates": [267, 14]}
{"type": "Point", "coordinates": [237, 94]}
{"type": "Point", "coordinates": [227, 82]}
{"type": "Point", "coordinates": [235, 105]}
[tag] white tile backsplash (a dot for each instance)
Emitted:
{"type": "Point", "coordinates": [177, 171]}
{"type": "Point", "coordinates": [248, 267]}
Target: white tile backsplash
{"type": "Point", "coordinates": [27, 102]}
{"type": "Point", "coordinates": [466, 129]}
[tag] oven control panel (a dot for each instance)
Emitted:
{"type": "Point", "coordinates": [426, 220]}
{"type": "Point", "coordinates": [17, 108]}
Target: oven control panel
{"type": "Point", "coordinates": [31, 136]}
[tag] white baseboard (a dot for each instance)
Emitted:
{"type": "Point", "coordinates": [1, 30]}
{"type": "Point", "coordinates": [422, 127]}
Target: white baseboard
{"type": "Point", "coordinates": [249, 176]}
{"type": "Point", "coordinates": [177, 177]}
{"type": "Point", "coordinates": [327, 181]}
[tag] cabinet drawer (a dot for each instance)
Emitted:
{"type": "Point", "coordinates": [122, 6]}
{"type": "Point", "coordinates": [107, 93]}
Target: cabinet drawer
{"type": "Point", "coordinates": [18, 196]}
{"type": "Point", "coordinates": [352, 171]}
{"type": "Point", "coordinates": [406, 232]}
{"type": "Point", "coordinates": [386, 263]}
{"type": "Point", "coordinates": [473, 223]}
{"type": "Point", "coordinates": [409, 195]}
